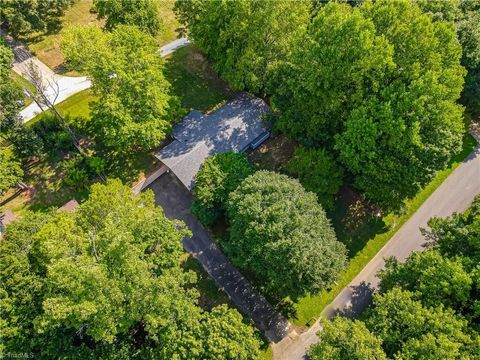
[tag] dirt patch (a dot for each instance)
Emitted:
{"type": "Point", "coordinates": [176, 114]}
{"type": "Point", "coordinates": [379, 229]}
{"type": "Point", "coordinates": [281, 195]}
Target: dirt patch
{"type": "Point", "coordinates": [273, 154]}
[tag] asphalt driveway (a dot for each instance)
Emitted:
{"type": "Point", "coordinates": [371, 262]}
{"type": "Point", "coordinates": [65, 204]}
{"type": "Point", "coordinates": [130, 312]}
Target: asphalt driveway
{"type": "Point", "coordinates": [176, 200]}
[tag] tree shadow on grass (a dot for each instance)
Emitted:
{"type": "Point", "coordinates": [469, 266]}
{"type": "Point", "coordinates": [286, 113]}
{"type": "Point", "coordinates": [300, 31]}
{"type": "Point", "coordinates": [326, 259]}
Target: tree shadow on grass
{"type": "Point", "coordinates": [355, 220]}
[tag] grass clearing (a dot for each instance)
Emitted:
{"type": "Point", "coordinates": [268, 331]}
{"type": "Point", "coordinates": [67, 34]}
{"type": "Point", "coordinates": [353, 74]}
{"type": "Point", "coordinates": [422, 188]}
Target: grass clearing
{"type": "Point", "coordinates": [76, 106]}
{"type": "Point", "coordinates": [170, 22]}
{"type": "Point", "coordinates": [194, 81]}
{"type": "Point", "coordinates": [46, 46]}
{"type": "Point", "coordinates": [309, 307]}
{"type": "Point", "coordinates": [24, 84]}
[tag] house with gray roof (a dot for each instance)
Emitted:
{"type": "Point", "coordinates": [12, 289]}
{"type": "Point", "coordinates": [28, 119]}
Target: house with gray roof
{"type": "Point", "coordinates": [236, 126]}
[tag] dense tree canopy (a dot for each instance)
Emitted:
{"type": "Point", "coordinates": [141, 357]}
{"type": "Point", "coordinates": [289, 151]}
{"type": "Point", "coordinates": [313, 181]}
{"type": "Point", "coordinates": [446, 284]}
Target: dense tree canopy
{"type": "Point", "coordinates": [466, 16]}
{"type": "Point", "coordinates": [22, 17]}
{"type": "Point", "coordinates": [317, 172]}
{"type": "Point", "coordinates": [10, 92]}
{"type": "Point", "coordinates": [343, 339]}
{"type": "Point", "coordinates": [243, 38]}
{"type": "Point", "coordinates": [216, 179]}
{"type": "Point", "coordinates": [428, 307]}
{"type": "Point", "coordinates": [106, 282]}
{"type": "Point", "coordinates": [141, 13]}
{"type": "Point", "coordinates": [10, 170]}
{"type": "Point", "coordinates": [279, 232]}
{"type": "Point", "coordinates": [382, 93]}
{"type": "Point", "coordinates": [135, 106]}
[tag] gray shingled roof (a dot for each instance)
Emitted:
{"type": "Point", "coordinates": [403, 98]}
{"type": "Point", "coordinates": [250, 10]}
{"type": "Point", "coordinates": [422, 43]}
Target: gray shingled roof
{"type": "Point", "coordinates": [233, 127]}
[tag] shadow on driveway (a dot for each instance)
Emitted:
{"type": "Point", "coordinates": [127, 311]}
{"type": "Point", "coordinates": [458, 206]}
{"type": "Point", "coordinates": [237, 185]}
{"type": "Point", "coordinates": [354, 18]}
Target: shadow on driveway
{"type": "Point", "coordinates": [175, 199]}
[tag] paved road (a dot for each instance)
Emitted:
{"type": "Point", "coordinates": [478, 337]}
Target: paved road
{"type": "Point", "coordinates": [174, 45]}
{"type": "Point", "coordinates": [454, 195]}
{"type": "Point", "coordinates": [176, 200]}
{"type": "Point", "coordinates": [67, 85]}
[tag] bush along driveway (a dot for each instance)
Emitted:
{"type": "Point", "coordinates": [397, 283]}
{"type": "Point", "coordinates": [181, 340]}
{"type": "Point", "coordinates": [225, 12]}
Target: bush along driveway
{"type": "Point", "coordinates": [176, 201]}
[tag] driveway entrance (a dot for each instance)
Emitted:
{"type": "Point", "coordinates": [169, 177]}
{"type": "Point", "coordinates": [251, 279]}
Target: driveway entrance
{"type": "Point", "coordinates": [176, 200]}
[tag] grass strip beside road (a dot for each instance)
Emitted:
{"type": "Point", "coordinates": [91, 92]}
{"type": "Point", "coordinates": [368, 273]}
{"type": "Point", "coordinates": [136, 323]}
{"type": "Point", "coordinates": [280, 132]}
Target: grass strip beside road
{"type": "Point", "coordinates": [311, 307]}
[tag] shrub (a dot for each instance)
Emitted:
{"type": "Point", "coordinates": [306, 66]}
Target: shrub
{"type": "Point", "coordinates": [218, 177]}
{"type": "Point", "coordinates": [317, 172]}
{"type": "Point", "coordinates": [279, 232]}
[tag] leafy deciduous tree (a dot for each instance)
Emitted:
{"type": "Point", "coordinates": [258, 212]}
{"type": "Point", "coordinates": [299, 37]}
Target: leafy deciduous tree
{"type": "Point", "coordinates": [242, 38]}
{"type": "Point", "coordinates": [10, 170]}
{"type": "Point", "coordinates": [141, 13]}
{"type": "Point", "coordinates": [317, 172]}
{"type": "Point", "coordinates": [22, 17]}
{"type": "Point", "coordinates": [106, 282]}
{"type": "Point", "coordinates": [281, 233]}
{"type": "Point", "coordinates": [135, 105]}
{"type": "Point", "coordinates": [218, 177]}
{"type": "Point", "coordinates": [343, 339]}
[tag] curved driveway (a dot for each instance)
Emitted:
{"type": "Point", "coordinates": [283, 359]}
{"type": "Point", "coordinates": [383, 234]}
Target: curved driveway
{"type": "Point", "coordinates": [67, 85]}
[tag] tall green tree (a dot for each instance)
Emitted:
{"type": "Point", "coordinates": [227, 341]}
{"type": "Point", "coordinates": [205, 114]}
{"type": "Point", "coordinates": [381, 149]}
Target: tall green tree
{"type": "Point", "coordinates": [343, 339]}
{"type": "Point", "coordinates": [141, 13]}
{"type": "Point", "coordinates": [279, 232]}
{"type": "Point", "coordinates": [106, 282]}
{"type": "Point", "coordinates": [409, 330]}
{"type": "Point", "coordinates": [340, 61]}
{"type": "Point", "coordinates": [135, 106]}
{"type": "Point", "coordinates": [317, 172]}
{"type": "Point", "coordinates": [216, 179]}
{"type": "Point", "coordinates": [382, 94]}
{"type": "Point", "coordinates": [243, 38]}
{"type": "Point", "coordinates": [434, 279]}
{"type": "Point", "coordinates": [458, 235]}
{"type": "Point", "coordinates": [10, 170]}
{"type": "Point", "coordinates": [23, 17]}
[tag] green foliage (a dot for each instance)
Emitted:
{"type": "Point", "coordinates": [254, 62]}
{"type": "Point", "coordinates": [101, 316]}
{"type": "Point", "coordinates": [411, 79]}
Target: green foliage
{"type": "Point", "coordinates": [106, 282]}
{"type": "Point", "coordinates": [83, 46]}
{"type": "Point", "coordinates": [10, 170]}
{"type": "Point", "coordinates": [279, 232]}
{"type": "Point", "coordinates": [343, 339]}
{"type": "Point", "coordinates": [382, 93]}
{"type": "Point", "coordinates": [141, 13]}
{"type": "Point", "coordinates": [243, 38]}
{"type": "Point", "coordinates": [216, 179]}
{"type": "Point", "coordinates": [23, 17]}
{"type": "Point", "coordinates": [428, 307]}
{"type": "Point", "coordinates": [408, 329]}
{"type": "Point", "coordinates": [317, 172]}
{"type": "Point", "coordinates": [350, 61]}
{"type": "Point", "coordinates": [135, 107]}
{"type": "Point", "coordinates": [434, 279]}
{"type": "Point", "coordinates": [458, 235]}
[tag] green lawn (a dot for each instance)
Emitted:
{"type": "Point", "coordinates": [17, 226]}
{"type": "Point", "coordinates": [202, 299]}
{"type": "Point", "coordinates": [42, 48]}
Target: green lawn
{"type": "Point", "coordinates": [194, 81]}
{"type": "Point", "coordinates": [309, 308]}
{"type": "Point", "coordinates": [24, 83]}
{"type": "Point", "coordinates": [47, 46]}
{"type": "Point", "coordinates": [73, 107]}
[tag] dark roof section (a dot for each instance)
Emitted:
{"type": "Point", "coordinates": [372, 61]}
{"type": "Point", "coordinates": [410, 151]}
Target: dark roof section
{"type": "Point", "coordinates": [233, 127]}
